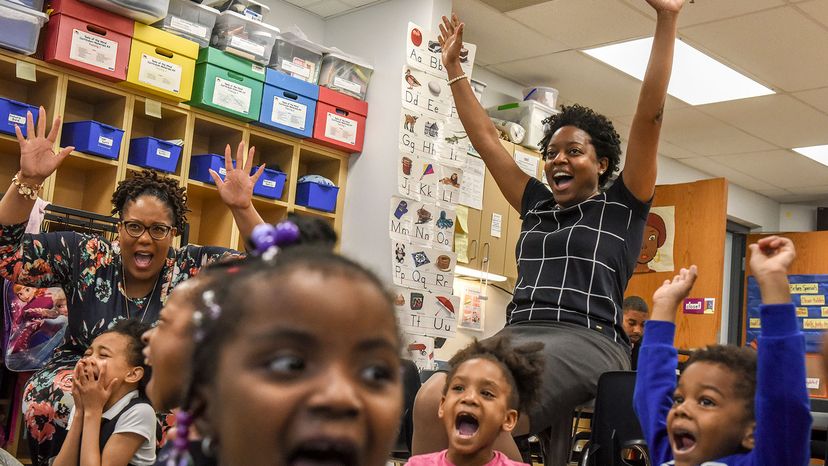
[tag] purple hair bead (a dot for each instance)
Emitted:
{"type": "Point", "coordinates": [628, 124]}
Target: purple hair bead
{"type": "Point", "coordinates": [286, 233]}
{"type": "Point", "coordinates": [263, 237]}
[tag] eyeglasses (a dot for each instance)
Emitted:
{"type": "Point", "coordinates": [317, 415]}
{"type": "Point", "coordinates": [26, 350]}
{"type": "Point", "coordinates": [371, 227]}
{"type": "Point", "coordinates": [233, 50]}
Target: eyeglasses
{"type": "Point", "coordinates": [157, 231]}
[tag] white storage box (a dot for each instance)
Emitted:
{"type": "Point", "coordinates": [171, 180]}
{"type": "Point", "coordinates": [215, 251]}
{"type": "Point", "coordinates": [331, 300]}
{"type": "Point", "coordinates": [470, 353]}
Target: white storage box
{"type": "Point", "coordinates": [345, 74]}
{"type": "Point", "coordinates": [245, 37]}
{"type": "Point", "coordinates": [528, 114]}
{"type": "Point", "coordinates": [250, 8]}
{"type": "Point", "coordinates": [20, 27]}
{"type": "Point", "coordinates": [190, 20]}
{"type": "Point", "coordinates": [297, 57]}
{"type": "Point", "coordinates": [545, 95]}
{"type": "Point", "coordinates": [33, 4]}
{"type": "Point", "coordinates": [143, 11]}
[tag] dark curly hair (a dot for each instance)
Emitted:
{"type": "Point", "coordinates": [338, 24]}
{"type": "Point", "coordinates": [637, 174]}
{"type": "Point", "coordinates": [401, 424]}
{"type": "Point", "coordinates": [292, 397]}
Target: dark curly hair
{"type": "Point", "coordinates": [133, 330]}
{"type": "Point", "coordinates": [604, 138]}
{"type": "Point", "coordinates": [522, 365]}
{"type": "Point", "coordinates": [741, 361]}
{"type": "Point", "coordinates": [148, 182]}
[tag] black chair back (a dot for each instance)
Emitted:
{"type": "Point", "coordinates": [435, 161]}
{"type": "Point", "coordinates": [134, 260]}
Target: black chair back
{"type": "Point", "coordinates": [411, 384]}
{"type": "Point", "coordinates": [615, 427]}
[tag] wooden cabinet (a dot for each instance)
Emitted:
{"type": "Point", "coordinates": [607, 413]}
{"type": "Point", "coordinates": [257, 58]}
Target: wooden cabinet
{"type": "Point", "coordinates": [86, 182]}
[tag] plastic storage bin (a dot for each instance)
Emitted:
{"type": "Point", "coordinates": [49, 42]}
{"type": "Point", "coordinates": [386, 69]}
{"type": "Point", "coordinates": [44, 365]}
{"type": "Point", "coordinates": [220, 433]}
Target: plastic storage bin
{"type": "Point", "coordinates": [345, 74]}
{"type": "Point", "coordinates": [271, 184]}
{"type": "Point", "coordinates": [200, 166]}
{"type": "Point", "coordinates": [317, 196]}
{"type": "Point", "coordinates": [228, 84]}
{"type": "Point", "coordinates": [143, 11]}
{"type": "Point", "coordinates": [546, 95]}
{"type": "Point", "coordinates": [13, 113]}
{"type": "Point", "coordinates": [92, 137]}
{"type": "Point", "coordinates": [88, 39]}
{"type": "Point", "coordinates": [289, 104]}
{"type": "Point", "coordinates": [245, 37]}
{"type": "Point", "coordinates": [149, 152]}
{"type": "Point", "coordinates": [297, 57]}
{"type": "Point", "coordinates": [31, 4]}
{"type": "Point", "coordinates": [339, 121]}
{"type": "Point", "coordinates": [20, 27]}
{"type": "Point", "coordinates": [190, 20]}
{"type": "Point", "coordinates": [528, 114]}
{"type": "Point", "coordinates": [161, 63]}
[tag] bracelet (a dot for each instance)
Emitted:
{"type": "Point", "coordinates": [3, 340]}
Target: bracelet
{"type": "Point", "coordinates": [26, 190]}
{"type": "Point", "coordinates": [458, 78]}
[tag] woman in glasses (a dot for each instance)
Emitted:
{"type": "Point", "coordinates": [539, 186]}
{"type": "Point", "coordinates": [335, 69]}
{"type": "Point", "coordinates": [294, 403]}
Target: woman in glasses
{"type": "Point", "coordinates": [104, 281]}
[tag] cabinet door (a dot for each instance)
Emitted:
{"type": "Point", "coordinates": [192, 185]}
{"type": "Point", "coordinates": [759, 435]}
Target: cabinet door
{"type": "Point", "coordinates": [473, 251]}
{"type": "Point", "coordinates": [514, 223]}
{"type": "Point", "coordinates": [495, 209]}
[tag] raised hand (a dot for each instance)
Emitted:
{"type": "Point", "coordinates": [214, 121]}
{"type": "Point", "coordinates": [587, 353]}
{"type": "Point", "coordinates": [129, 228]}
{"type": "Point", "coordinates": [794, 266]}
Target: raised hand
{"type": "Point", "coordinates": [236, 190]}
{"type": "Point", "coordinates": [37, 156]}
{"type": "Point", "coordinates": [669, 6]}
{"type": "Point", "coordinates": [451, 40]}
{"type": "Point", "coordinates": [667, 298]}
{"type": "Point", "coordinates": [770, 259]}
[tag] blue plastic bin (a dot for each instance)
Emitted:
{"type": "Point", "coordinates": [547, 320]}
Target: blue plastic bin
{"type": "Point", "coordinates": [92, 137]}
{"type": "Point", "coordinates": [317, 196]}
{"type": "Point", "coordinates": [158, 154]}
{"type": "Point", "coordinates": [13, 113]}
{"type": "Point", "coordinates": [288, 104]}
{"type": "Point", "coordinates": [270, 184]}
{"type": "Point", "coordinates": [200, 166]}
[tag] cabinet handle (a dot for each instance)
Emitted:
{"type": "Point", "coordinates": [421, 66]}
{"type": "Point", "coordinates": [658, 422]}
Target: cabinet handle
{"type": "Point", "coordinates": [486, 249]}
{"type": "Point", "coordinates": [473, 246]}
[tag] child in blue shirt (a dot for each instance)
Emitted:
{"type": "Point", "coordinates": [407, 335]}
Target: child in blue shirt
{"type": "Point", "coordinates": [729, 407]}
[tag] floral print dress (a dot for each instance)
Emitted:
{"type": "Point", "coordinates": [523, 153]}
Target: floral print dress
{"type": "Point", "coordinates": [89, 269]}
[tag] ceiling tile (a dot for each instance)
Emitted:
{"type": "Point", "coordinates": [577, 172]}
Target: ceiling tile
{"type": "Point", "coordinates": [581, 79]}
{"type": "Point", "coordinates": [300, 3]}
{"type": "Point", "coordinates": [780, 168]}
{"type": "Point", "coordinates": [819, 190]}
{"type": "Point", "coordinates": [585, 23]}
{"type": "Point", "coordinates": [776, 47]}
{"type": "Point", "coordinates": [778, 119]}
{"type": "Point", "coordinates": [714, 168]}
{"type": "Point", "coordinates": [816, 98]}
{"type": "Point", "coordinates": [816, 9]}
{"type": "Point", "coordinates": [327, 8]}
{"type": "Point", "coordinates": [491, 41]}
{"type": "Point", "coordinates": [773, 192]}
{"type": "Point", "coordinates": [706, 11]}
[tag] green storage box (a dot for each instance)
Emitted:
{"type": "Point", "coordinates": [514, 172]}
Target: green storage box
{"type": "Point", "coordinates": [228, 84]}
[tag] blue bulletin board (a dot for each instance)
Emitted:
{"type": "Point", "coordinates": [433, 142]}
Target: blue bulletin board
{"type": "Point", "coordinates": [809, 294]}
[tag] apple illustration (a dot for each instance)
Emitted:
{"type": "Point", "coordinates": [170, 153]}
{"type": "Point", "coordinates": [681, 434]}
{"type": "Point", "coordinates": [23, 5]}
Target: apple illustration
{"type": "Point", "coordinates": [416, 37]}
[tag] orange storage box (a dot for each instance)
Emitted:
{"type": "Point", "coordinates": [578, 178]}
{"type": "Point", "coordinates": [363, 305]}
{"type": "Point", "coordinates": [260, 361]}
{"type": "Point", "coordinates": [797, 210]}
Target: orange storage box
{"type": "Point", "coordinates": [340, 121]}
{"type": "Point", "coordinates": [88, 39]}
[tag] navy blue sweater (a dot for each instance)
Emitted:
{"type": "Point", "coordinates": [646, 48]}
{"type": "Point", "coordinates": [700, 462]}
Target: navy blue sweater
{"type": "Point", "coordinates": [783, 417]}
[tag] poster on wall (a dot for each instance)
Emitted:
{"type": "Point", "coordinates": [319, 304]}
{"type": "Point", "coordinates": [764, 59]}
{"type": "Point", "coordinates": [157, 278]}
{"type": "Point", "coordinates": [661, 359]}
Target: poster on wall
{"type": "Point", "coordinates": [423, 313]}
{"type": "Point", "coordinates": [427, 93]}
{"type": "Point", "coordinates": [434, 137]}
{"type": "Point", "coordinates": [809, 296]}
{"type": "Point", "coordinates": [420, 349]}
{"type": "Point", "coordinates": [657, 244]}
{"type": "Point", "coordinates": [423, 52]}
{"type": "Point", "coordinates": [471, 313]}
{"type": "Point", "coordinates": [422, 223]}
{"type": "Point", "coordinates": [425, 180]}
{"type": "Point", "coordinates": [422, 268]}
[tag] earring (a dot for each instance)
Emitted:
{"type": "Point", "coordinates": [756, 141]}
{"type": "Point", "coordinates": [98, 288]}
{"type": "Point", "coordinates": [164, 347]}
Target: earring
{"type": "Point", "coordinates": [208, 447]}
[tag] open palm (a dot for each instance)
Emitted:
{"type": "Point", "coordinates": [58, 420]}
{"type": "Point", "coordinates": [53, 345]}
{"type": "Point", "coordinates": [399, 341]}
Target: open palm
{"type": "Point", "coordinates": [37, 156]}
{"type": "Point", "coordinates": [666, 5]}
{"type": "Point", "coordinates": [236, 190]}
{"type": "Point", "coordinates": [451, 39]}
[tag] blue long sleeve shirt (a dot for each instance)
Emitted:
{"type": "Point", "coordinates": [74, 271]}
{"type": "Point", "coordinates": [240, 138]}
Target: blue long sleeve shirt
{"type": "Point", "coordinates": [783, 417]}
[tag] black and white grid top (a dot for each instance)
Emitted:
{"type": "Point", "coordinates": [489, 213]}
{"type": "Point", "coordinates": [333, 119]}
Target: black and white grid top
{"type": "Point", "coordinates": [574, 263]}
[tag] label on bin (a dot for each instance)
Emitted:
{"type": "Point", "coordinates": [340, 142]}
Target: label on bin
{"type": "Point", "coordinates": [257, 68]}
{"type": "Point", "coordinates": [105, 141]}
{"type": "Point", "coordinates": [232, 96]}
{"type": "Point", "coordinates": [289, 113]}
{"type": "Point", "coordinates": [245, 45]}
{"type": "Point", "coordinates": [159, 73]}
{"type": "Point", "coordinates": [20, 120]}
{"type": "Point", "coordinates": [296, 69]}
{"type": "Point", "coordinates": [163, 153]}
{"type": "Point", "coordinates": [343, 83]}
{"type": "Point", "coordinates": [269, 183]}
{"type": "Point", "coordinates": [188, 27]}
{"type": "Point", "coordinates": [93, 50]}
{"type": "Point", "coordinates": [341, 129]}
{"type": "Point", "coordinates": [223, 171]}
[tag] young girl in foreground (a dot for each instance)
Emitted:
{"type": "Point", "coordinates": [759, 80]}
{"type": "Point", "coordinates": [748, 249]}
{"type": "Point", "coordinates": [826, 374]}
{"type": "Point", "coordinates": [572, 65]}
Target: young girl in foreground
{"type": "Point", "coordinates": [296, 361]}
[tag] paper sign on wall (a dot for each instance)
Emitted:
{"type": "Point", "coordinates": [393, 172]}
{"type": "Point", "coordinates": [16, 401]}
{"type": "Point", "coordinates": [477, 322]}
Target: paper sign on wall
{"type": "Point", "coordinates": [425, 180]}
{"type": "Point", "coordinates": [427, 93]}
{"type": "Point", "coordinates": [422, 223]}
{"type": "Point", "coordinates": [474, 173]}
{"type": "Point", "coordinates": [424, 52]}
{"type": "Point", "coordinates": [528, 163]}
{"type": "Point", "coordinates": [423, 313]}
{"type": "Point", "coordinates": [471, 315]}
{"type": "Point", "coordinates": [418, 267]}
{"type": "Point", "coordinates": [420, 349]}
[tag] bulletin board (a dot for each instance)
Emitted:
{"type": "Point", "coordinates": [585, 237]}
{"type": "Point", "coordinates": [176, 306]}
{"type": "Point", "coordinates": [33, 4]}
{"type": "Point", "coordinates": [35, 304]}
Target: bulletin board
{"type": "Point", "coordinates": [809, 296]}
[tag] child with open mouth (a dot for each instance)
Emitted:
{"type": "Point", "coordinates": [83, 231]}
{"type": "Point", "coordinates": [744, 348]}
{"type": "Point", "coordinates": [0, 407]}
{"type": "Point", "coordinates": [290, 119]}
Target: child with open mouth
{"type": "Point", "coordinates": [490, 382]}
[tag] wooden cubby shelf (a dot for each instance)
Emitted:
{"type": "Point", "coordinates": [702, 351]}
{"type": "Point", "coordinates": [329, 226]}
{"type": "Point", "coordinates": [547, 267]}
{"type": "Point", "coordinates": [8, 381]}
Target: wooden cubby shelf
{"type": "Point", "coordinates": [86, 181]}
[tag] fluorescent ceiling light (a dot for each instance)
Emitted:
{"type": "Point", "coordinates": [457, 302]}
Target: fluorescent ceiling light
{"type": "Point", "coordinates": [467, 272]}
{"type": "Point", "coordinates": [816, 153]}
{"type": "Point", "coordinates": [697, 79]}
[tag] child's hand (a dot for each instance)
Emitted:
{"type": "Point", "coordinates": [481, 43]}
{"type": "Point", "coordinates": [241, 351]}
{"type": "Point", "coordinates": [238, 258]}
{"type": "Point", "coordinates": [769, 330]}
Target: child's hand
{"type": "Point", "coordinates": [76, 381]}
{"type": "Point", "coordinates": [667, 298]}
{"type": "Point", "coordinates": [93, 391]}
{"type": "Point", "coordinates": [451, 40]}
{"type": "Point", "coordinates": [667, 6]}
{"type": "Point", "coordinates": [770, 259]}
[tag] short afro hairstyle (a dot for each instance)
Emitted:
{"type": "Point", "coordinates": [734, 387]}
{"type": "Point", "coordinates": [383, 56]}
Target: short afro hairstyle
{"type": "Point", "coordinates": [133, 330]}
{"type": "Point", "coordinates": [604, 138]}
{"type": "Point", "coordinates": [635, 303]}
{"type": "Point", "coordinates": [522, 366]}
{"type": "Point", "coordinates": [741, 361]}
{"type": "Point", "coordinates": [149, 182]}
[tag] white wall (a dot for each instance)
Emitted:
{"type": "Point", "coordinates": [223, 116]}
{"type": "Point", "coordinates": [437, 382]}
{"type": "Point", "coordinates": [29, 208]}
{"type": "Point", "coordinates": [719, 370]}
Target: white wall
{"type": "Point", "coordinates": [797, 217]}
{"type": "Point", "coordinates": [499, 90]}
{"type": "Point", "coordinates": [284, 15]}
